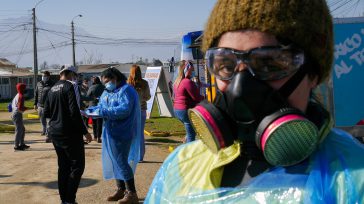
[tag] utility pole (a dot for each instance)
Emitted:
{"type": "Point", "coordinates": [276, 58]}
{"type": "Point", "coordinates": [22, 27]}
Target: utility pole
{"type": "Point", "coordinates": [73, 44]}
{"type": "Point", "coordinates": [73, 41]}
{"type": "Point", "coordinates": [35, 79]}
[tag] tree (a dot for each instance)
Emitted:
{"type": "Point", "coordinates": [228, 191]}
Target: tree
{"type": "Point", "coordinates": [91, 58]}
{"type": "Point", "coordinates": [44, 65]}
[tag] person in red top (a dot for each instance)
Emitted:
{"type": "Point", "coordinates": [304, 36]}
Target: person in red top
{"type": "Point", "coordinates": [17, 116]}
{"type": "Point", "coordinates": [186, 95]}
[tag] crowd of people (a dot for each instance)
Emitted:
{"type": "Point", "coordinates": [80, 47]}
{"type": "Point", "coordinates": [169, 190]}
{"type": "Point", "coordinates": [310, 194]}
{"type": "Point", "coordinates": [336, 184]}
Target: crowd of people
{"type": "Point", "coordinates": [264, 138]}
{"type": "Point", "coordinates": [117, 107]}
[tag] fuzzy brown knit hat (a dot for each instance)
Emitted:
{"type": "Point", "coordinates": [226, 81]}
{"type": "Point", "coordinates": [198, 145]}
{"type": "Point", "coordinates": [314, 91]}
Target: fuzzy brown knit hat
{"type": "Point", "coordinates": [306, 23]}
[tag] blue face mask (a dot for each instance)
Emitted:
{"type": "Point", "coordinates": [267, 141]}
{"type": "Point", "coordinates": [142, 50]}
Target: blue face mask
{"type": "Point", "coordinates": [110, 86]}
{"type": "Point", "coordinates": [193, 74]}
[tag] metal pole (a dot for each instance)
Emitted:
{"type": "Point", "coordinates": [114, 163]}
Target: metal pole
{"type": "Point", "coordinates": [73, 40]}
{"type": "Point", "coordinates": [35, 79]}
{"type": "Point", "coordinates": [73, 44]}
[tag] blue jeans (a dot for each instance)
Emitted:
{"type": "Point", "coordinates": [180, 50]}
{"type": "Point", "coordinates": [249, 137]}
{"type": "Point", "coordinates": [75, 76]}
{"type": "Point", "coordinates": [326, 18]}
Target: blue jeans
{"type": "Point", "coordinates": [183, 117]}
{"type": "Point", "coordinates": [142, 142]}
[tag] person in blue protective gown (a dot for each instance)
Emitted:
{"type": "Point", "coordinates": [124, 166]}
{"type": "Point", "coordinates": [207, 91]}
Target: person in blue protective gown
{"type": "Point", "coordinates": [265, 138]}
{"type": "Point", "coordinates": [120, 109]}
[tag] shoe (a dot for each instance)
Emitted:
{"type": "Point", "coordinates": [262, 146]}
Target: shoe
{"type": "Point", "coordinates": [19, 148]}
{"type": "Point", "coordinates": [48, 140]}
{"type": "Point", "coordinates": [129, 198]}
{"type": "Point", "coordinates": [43, 134]}
{"type": "Point", "coordinates": [98, 140]}
{"type": "Point", "coordinates": [25, 146]}
{"type": "Point", "coordinates": [85, 143]}
{"type": "Point", "coordinates": [119, 194]}
{"type": "Point", "coordinates": [95, 139]}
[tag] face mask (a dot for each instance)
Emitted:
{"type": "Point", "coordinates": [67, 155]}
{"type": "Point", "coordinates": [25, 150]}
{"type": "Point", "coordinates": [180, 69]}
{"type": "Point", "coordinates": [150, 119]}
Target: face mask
{"type": "Point", "coordinates": [45, 79]}
{"type": "Point", "coordinates": [110, 86]}
{"type": "Point", "coordinates": [252, 112]}
{"type": "Point", "coordinates": [193, 74]}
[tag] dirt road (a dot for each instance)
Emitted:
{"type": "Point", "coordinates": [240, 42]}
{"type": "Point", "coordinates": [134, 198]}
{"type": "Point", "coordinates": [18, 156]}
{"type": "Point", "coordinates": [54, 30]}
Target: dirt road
{"type": "Point", "coordinates": [31, 176]}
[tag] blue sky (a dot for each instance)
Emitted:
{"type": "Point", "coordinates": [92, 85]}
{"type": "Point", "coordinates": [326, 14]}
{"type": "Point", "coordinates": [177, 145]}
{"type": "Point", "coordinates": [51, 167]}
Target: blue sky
{"type": "Point", "coordinates": [151, 19]}
{"type": "Point", "coordinates": [121, 18]}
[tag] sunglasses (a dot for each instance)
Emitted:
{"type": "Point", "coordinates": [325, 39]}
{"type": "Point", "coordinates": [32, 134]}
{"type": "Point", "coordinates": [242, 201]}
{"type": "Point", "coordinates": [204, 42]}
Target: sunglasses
{"type": "Point", "coordinates": [264, 63]}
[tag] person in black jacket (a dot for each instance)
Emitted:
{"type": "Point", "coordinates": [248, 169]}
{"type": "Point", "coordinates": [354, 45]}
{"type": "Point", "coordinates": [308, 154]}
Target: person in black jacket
{"type": "Point", "coordinates": [41, 93]}
{"type": "Point", "coordinates": [94, 93]}
{"type": "Point", "coordinates": [66, 129]}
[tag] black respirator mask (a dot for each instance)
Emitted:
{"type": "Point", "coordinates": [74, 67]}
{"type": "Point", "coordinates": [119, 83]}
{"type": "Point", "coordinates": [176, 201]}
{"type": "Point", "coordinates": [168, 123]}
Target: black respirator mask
{"type": "Point", "coordinates": [252, 111]}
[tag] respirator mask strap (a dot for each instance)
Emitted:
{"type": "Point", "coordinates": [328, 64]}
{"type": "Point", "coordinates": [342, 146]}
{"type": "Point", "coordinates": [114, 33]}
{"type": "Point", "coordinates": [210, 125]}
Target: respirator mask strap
{"type": "Point", "coordinates": [287, 89]}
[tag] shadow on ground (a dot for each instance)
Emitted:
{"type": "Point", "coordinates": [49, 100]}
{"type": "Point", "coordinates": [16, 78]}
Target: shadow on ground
{"type": "Point", "coordinates": [26, 121]}
{"type": "Point", "coordinates": [162, 140]}
{"type": "Point", "coordinates": [26, 141]}
{"type": "Point", "coordinates": [85, 182]}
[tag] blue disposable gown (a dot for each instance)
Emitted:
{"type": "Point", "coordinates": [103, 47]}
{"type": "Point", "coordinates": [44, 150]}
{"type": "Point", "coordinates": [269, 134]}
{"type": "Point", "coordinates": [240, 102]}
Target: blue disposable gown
{"type": "Point", "coordinates": [334, 173]}
{"type": "Point", "coordinates": [120, 110]}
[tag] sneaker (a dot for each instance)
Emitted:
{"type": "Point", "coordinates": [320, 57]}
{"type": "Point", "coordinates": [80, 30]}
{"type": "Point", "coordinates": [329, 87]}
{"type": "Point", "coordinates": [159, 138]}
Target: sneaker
{"type": "Point", "coordinates": [25, 146]}
{"type": "Point", "coordinates": [129, 198]}
{"type": "Point", "coordinates": [19, 148]}
{"type": "Point", "coordinates": [48, 140]}
{"type": "Point", "coordinates": [119, 194]}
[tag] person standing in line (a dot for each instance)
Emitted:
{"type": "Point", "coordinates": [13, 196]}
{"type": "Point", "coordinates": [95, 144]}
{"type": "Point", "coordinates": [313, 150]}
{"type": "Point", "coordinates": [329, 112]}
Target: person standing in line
{"type": "Point", "coordinates": [142, 87]}
{"type": "Point", "coordinates": [83, 87]}
{"type": "Point", "coordinates": [17, 116]}
{"type": "Point", "coordinates": [121, 134]}
{"type": "Point", "coordinates": [186, 96]}
{"type": "Point", "coordinates": [93, 94]}
{"type": "Point", "coordinates": [41, 93]}
{"type": "Point", "coordinates": [66, 129]}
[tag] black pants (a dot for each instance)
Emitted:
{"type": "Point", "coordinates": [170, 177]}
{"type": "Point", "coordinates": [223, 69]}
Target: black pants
{"type": "Point", "coordinates": [85, 121]}
{"type": "Point", "coordinates": [97, 127]}
{"type": "Point", "coordinates": [71, 164]}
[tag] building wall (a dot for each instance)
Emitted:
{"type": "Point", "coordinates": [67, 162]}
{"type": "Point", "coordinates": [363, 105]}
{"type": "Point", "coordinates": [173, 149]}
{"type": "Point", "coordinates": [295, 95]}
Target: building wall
{"type": "Point", "coordinates": [5, 88]}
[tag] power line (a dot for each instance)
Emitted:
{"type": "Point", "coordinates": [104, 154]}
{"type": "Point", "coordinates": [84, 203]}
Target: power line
{"type": "Point", "coordinates": [95, 40]}
{"type": "Point", "coordinates": [22, 48]}
{"type": "Point", "coordinates": [52, 44]}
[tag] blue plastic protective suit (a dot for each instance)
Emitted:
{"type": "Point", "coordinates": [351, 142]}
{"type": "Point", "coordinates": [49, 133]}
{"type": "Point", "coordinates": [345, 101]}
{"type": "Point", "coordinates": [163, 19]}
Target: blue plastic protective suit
{"type": "Point", "coordinates": [120, 110]}
{"type": "Point", "coordinates": [333, 174]}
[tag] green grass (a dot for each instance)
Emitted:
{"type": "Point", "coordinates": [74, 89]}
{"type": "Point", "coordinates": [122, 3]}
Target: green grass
{"type": "Point", "coordinates": [4, 104]}
{"type": "Point", "coordinates": [6, 128]}
{"type": "Point", "coordinates": [157, 123]}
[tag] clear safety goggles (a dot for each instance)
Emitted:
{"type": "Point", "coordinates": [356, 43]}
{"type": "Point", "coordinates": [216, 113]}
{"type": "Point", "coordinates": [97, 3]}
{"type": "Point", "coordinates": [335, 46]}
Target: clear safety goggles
{"type": "Point", "coordinates": [264, 63]}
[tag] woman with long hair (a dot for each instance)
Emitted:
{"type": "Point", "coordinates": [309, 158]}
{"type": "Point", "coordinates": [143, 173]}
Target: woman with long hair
{"type": "Point", "coordinates": [142, 87]}
{"type": "Point", "coordinates": [186, 96]}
